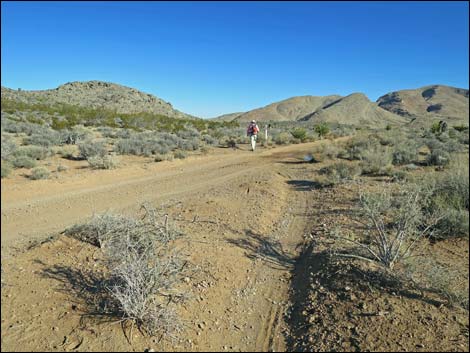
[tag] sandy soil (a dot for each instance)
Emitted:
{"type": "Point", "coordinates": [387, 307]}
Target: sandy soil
{"type": "Point", "coordinates": [249, 220]}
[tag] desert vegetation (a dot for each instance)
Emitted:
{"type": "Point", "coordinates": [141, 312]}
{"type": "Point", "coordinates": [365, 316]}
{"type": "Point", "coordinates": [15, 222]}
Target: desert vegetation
{"type": "Point", "coordinates": [143, 268]}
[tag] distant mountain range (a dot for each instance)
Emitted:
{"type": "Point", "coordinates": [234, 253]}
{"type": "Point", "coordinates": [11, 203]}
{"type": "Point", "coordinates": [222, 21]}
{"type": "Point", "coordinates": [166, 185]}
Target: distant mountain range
{"type": "Point", "coordinates": [420, 105]}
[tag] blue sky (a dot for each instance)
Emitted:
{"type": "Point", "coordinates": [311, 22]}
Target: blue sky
{"type": "Point", "coordinates": [212, 58]}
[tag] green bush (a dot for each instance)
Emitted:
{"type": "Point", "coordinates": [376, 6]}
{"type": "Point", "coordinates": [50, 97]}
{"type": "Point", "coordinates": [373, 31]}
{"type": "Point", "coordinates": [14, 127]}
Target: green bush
{"type": "Point", "coordinates": [299, 133]}
{"type": "Point", "coordinates": [322, 129]}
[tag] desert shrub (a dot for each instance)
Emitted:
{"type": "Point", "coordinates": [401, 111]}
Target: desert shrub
{"type": "Point", "coordinates": [143, 145]}
{"type": "Point", "coordinates": [435, 127]}
{"type": "Point", "coordinates": [90, 148]}
{"type": "Point", "coordinates": [9, 125]}
{"type": "Point", "coordinates": [189, 133]}
{"type": "Point", "coordinates": [340, 172]}
{"type": "Point", "coordinates": [44, 138]}
{"type": "Point", "coordinates": [438, 157]}
{"type": "Point", "coordinates": [327, 151]}
{"type": "Point", "coordinates": [74, 135]}
{"type": "Point", "coordinates": [189, 145]}
{"type": "Point", "coordinates": [357, 146]}
{"type": "Point", "coordinates": [376, 161]}
{"type": "Point", "coordinates": [40, 173]}
{"type": "Point", "coordinates": [24, 162]}
{"type": "Point", "coordinates": [208, 139]}
{"type": "Point", "coordinates": [34, 152]}
{"type": "Point", "coordinates": [322, 129]}
{"type": "Point", "coordinates": [342, 130]}
{"type": "Point", "coordinates": [6, 168]}
{"type": "Point", "coordinates": [107, 131]}
{"type": "Point", "coordinates": [142, 264]}
{"type": "Point", "coordinates": [62, 168]}
{"type": "Point", "coordinates": [283, 138]}
{"type": "Point", "coordinates": [180, 154]}
{"type": "Point", "coordinates": [404, 154]}
{"type": "Point", "coordinates": [450, 198]}
{"type": "Point", "coordinates": [103, 162]}
{"type": "Point", "coordinates": [450, 284]}
{"type": "Point", "coordinates": [394, 222]}
{"type": "Point", "coordinates": [8, 146]}
{"type": "Point", "coordinates": [399, 175]}
{"type": "Point", "coordinates": [163, 157]}
{"type": "Point", "coordinates": [299, 133]}
{"type": "Point", "coordinates": [68, 152]}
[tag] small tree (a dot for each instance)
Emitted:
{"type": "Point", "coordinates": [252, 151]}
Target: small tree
{"type": "Point", "coordinates": [322, 129]}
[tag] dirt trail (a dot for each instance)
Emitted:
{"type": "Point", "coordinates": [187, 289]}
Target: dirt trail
{"type": "Point", "coordinates": [43, 207]}
{"type": "Point", "coordinates": [251, 211]}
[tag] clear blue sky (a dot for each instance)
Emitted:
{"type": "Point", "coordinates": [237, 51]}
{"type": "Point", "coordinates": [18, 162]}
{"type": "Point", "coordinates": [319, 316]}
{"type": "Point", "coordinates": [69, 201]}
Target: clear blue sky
{"type": "Point", "coordinates": [211, 58]}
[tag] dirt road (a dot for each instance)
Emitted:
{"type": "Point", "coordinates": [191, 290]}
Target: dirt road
{"type": "Point", "coordinates": [38, 208]}
{"type": "Point", "coordinates": [251, 211]}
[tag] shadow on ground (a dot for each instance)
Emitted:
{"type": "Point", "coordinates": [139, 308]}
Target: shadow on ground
{"type": "Point", "coordinates": [305, 185]}
{"type": "Point", "coordinates": [258, 246]}
{"type": "Point", "coordinates": [336, 284]}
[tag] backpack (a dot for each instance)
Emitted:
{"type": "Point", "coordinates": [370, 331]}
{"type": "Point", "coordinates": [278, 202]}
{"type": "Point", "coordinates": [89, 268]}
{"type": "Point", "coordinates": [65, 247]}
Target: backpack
{"type": "Point", "coordinates": [252, 129]}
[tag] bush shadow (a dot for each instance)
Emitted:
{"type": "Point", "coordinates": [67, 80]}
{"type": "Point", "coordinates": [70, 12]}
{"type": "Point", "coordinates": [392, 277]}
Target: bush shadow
{"type": "Point", "coordinates": [262, 247]}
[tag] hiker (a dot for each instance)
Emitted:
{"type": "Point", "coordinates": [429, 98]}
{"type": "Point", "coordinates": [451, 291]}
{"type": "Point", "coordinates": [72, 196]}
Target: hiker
{"type": "Point", "coordinates": [252, 132]}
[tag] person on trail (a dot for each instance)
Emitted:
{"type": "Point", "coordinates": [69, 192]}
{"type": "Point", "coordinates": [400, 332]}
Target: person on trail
{"type": "Point", "coordinates": [252, 132]}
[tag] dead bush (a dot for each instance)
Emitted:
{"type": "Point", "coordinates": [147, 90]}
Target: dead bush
{"type": "Point", "coordinates": [142, 263]}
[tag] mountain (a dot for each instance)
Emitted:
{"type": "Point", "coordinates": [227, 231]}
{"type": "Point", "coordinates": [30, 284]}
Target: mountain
{"type": "Point", "coordinates": [228, 117]}
{"type": "Point", "coordinates": [97, 94]}
{"type": "Point", "coordinates": [287, 110]}
{"type": "Point", "coordinates": [355, 109]}
{"type": "Point", "coordinates": [436, 101]}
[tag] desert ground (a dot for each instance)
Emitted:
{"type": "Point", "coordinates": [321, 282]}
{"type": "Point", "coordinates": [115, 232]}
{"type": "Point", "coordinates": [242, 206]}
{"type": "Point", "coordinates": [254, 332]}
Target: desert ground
{"type": "Point", "coordinates": [260, 274]}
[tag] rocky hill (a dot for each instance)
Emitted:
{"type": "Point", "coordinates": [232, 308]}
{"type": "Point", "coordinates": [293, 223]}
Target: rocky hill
{"type": "Point", "coordinates": [425, 105]}
{"type": "Point", "coordinates": [97, 94]}
{"type": "Point", "coordinates": [429, 102]}
{"type": "Point", "coordinates": [287, 110]}
{"type": "Point", "coordinates": [355, 109]}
